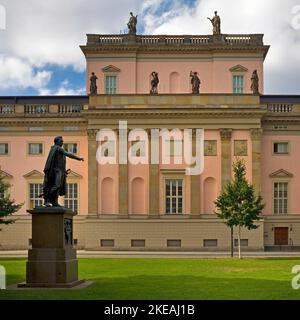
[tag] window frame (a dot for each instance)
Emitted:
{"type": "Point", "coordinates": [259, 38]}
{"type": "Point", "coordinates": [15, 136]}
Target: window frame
{"type": "Point", "coordinates": [287, 198]}
{"type": "Point", "coordinates": [107, 75]}
{"type": "Point", "coordinates": [175, 176]}
{"type": "Point", "coordinates": [242, 75]}
{"type": "Point", "coordinates": [72, 142]}
{"type": "Point", "coordinates": [35, 154]}
{"type": "Point", "coordinates": [31, 182]}
{"type": "Point", "coordinates": [77, 182]}
{"type": "Point", "coordinates": [8, 149]}
{"type": "Point", "coordinates": [281, 154]}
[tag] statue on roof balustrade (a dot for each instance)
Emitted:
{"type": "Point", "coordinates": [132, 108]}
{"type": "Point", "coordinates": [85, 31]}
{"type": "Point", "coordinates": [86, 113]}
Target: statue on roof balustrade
{"type": "Point", "coordinates": [132, 24]}
{"type": "Point", "coordinates": [216, 22]}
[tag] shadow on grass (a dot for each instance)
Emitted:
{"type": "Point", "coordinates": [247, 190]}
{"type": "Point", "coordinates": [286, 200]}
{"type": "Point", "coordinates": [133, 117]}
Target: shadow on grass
{"type": "Point", "coordinates": [165, 287]}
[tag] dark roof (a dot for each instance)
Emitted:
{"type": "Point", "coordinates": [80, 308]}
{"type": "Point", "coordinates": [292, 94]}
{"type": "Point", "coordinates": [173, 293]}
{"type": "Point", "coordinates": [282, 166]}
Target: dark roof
{"type": "Point", "coordinates": [273, 98]}
{"type": "Point", "coordinates": [44, 99]}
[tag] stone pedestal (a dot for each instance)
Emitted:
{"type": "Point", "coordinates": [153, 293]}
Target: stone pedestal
{"type": "Point", "coordinates": [52, 261]}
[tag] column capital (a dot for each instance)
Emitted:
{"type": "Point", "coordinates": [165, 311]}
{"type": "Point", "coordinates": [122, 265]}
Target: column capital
{"type": "Point", "coordinates": [92, 133]}
{"type": "Point", "coordinates": [225, 134]}
{"type": "Point", "coordinates": [256, 133]}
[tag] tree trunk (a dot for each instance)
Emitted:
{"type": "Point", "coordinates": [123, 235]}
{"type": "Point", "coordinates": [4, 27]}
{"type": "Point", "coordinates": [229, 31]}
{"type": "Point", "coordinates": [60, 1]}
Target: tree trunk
{"type": "Point", "coordinates": [231, 240]}
{"type": "Point", "coordinates": [239, 242]}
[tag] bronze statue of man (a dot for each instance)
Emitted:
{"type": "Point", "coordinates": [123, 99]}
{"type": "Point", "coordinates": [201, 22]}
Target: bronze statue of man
{"type": "Point", "coordinates": [55, 173]}
{"type": "Point", "coordinates": [255, 82]}
{"type": "Point", "coordinates": [216, 22]}
{"type": "Point", "coordinates": [132, 24]}
{"type": "Point", "coordinates": [93, 87]}
{"type": "Point", "coordinates": [154, 83]}
{"type": "Point", "coordinates": [195, 81]}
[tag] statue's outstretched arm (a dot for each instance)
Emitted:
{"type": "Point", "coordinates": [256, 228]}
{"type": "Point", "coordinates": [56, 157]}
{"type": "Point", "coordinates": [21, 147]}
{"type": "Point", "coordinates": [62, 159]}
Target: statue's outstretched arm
{"type": "Point", "coordinates": [70, 155]}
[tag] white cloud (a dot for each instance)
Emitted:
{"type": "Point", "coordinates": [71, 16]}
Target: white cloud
{"type": "Point", "coordinates": [64, 89]}
{"type": "Point", "coordinates": [17, 73]}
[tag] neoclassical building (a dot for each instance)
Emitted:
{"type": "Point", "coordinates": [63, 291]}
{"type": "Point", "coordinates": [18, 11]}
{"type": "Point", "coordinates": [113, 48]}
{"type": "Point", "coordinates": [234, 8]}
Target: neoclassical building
{"type": "Point", "coordinates": [158, 206]}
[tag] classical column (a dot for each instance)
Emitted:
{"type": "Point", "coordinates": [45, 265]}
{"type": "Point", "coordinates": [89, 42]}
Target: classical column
{"type": "Point", "coordinates": [153, 175]}
{"type": "Point", "coordinates": [195, 187]}
{"type": "Point", "coordinates": [225, 156]}
{"type": "Point", "coordinates": [92, 172]}
{"type": "Point", "coordinates": [256, 135]}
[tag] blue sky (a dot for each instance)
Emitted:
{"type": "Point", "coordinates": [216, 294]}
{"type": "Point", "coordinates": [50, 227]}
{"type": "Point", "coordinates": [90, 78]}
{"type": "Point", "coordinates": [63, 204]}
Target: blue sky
{"type": "Point", "coordinates": [40, 54]}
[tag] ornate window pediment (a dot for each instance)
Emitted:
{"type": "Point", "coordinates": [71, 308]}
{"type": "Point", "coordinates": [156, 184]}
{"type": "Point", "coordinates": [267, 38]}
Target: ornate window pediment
{"type": "Point", "coordinates": [5, 175]}
{"type": "Point", "coordinates": [74, 175]}
{"type": "Point", "coordinates": [238, 68]}
{"type": "Point", "coordinates": [111, 68]}
{"type": "Point", "coordinates": [34, 174]}
{"type": "Point", "coordinates": [281, 174]}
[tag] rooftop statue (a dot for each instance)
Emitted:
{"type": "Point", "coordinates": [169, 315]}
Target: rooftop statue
{"type": "Point", "coordinates": [132, 24]}
{"type": "Point", "coordinates": [195, 81]}
{"type": "Point", "coordinates": [255, 82]}
{"type": "Point", "coordinates": [154, 83]}
{"type": "Point", "coordinates": [216, 22]}
{"type": "Point", "coordinates": [55, 173]}
{"type": "Point", "coordinates": [93, 87]}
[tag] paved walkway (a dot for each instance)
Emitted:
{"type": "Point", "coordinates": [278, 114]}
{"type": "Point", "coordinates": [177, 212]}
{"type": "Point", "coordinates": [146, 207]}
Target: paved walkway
{"type": "Point", "coordinates": [141, 254]}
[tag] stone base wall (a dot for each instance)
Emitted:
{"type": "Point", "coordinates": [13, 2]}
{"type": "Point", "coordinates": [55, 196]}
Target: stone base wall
{"type": "Point", "coordinates": [206, 233]}
{"type": "Point", "coordinates": [140, 234]}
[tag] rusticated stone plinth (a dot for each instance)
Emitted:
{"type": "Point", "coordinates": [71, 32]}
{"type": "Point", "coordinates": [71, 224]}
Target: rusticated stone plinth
{"type": "Point", "coordinates": [52, 261]}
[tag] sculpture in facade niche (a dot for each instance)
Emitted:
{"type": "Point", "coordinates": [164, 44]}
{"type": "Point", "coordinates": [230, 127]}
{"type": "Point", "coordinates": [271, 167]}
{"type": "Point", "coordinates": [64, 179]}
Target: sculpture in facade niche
{"type": "Point", "coordinates": [216, 22]}
{"type": "Point", "coordinates": [154, 83]}
{"type": "Point", "coordinates": [132, 24]}
{"type": "Point", "coordinates": [195, 81]}
{"type": "Point", "coordinates": [255, 82]}
{"type": "Point", "coordinates": [55, 173]}
{"type": "Point", "coordinates": [93, 87]}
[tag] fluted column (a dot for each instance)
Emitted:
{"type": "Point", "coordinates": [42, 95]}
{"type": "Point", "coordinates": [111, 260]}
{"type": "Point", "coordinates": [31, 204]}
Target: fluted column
{"type": "Point", "coordinates": [225, 156]}
{"type": "Point", "coordinates": [256, 135]}
{"type": "Point", "coordinates": [92, 173]}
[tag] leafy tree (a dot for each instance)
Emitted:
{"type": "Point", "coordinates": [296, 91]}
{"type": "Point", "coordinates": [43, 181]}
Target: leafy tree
{"type": "Point", "coordinates": [7, 206]}
{"type": "Point", "coordinates": [238, 204]}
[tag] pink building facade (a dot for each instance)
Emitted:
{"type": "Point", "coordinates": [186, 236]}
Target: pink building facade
{"type": "Point", "coordinates": [158, 206]}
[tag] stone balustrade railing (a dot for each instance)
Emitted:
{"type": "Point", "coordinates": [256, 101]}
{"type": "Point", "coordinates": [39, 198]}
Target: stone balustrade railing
{"type": "Point", "coordinates": [7, 109]}
{"type": "Point", "coordinates": [201, 40]}
{"type": "Point", "coordinates": [280, 107]}
{"type": "Point", "coordinates": [40, 109]}
{"type": "Point", "coordinates": [67, 108]}
{"type": "Point", "coordinates": [32, 109]}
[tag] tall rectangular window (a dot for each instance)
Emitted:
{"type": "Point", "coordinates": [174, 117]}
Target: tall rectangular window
{"type": "Point", "coordinates": [238, 84]}
{"type": "Point", "coordinates": [281, 147]}
{"type": "Point", "coordinates": [71, 147]}
{"type": "Point", "coordinates": [35, 148]}
{"type": "Point", "coordinates": [174, 196]}
{"type": "Point", "coordinates": [280, 198]}
{"type": "Point", "coordinates": [3, 149]}
{"type": "Point", "coordinates": [35, 190]}
{"type": "Point", "coordinates": [71, 197]}
{"type": "Point", "coordinates": [111, 84]}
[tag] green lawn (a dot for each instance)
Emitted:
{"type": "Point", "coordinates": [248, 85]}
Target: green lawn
{"type": "Point", "coordinates": [169, 279]}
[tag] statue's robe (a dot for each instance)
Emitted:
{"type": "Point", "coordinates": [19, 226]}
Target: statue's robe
{"type": "Point", "coordinates": [55, 172]}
